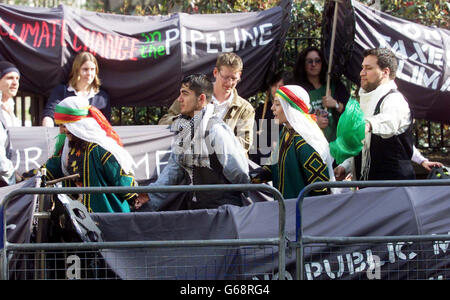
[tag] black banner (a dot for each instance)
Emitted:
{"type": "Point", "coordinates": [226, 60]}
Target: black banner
{"type": "Point", "coordinates": [423, 54]}
{"type": "Point", "coordinates": [142, 59]}
{"type": "Point", "coordinates": [369, 212]}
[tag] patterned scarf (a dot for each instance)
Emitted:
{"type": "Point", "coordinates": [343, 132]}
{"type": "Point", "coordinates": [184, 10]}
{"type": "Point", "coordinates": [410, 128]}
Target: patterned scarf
{"type": "Point", "coordinates": [190, 142]}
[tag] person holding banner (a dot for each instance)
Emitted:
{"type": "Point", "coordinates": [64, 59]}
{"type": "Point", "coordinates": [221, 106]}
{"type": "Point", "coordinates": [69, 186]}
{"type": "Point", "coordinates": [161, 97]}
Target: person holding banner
{"type": "Point", "coordinates": [83, 82]}
{"type": "Point", "coordinates": [310, 73]}
{"type": "Point", "coordinates": [302, 156]}
{"type": "Point", "coordinates": [205, 151]}
{"type": "Point", "coordinates": [237, 112]}
{"type": "Point", "coordinates": [87, 146]}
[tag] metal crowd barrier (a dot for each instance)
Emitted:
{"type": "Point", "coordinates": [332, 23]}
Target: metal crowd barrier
{"type": "Point", "coordinates": [303, 240]}
{"type": "Point", "coordinates": [280, 241]}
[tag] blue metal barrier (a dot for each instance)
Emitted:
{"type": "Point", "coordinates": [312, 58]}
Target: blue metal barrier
{"type": "Point", "coordinates": [280, 241]}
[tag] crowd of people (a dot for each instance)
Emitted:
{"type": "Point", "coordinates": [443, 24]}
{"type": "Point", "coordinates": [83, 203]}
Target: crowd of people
{"type": "Point", "coordinates": [214, 128]}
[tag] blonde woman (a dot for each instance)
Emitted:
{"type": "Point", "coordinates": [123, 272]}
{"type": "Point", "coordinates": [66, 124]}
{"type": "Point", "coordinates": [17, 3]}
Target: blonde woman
{"type": "Point", "coordinates": [83, 82]}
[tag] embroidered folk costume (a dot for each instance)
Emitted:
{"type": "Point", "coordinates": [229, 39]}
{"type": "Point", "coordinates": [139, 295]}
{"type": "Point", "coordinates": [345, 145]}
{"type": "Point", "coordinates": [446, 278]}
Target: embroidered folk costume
{"type": "Point", "coordinates": [302, 156]}
{"type": "Point", "coordinates": [96, 154]}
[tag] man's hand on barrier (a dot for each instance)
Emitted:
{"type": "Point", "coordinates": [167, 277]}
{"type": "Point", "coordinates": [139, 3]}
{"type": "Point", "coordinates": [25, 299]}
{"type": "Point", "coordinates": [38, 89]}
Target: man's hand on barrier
{"type": "Point", "coordinates": [141, 200]}
{"type": "Point", "coordinates": [18, 177]}
{"type": "Point", "coordinates": [30, 173]}
{"type": "Point", "coordinates": [339, 173]}
{"type": "Point", "coordinates": [428, 165]}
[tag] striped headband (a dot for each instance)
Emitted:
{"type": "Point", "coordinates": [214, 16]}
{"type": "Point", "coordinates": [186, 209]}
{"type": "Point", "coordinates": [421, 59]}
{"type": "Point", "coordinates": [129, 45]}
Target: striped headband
{"type": "Point", "coordinates": [295, 102]}
{"type": "Point", "coordinates": [65, 115]}
{"type": "Point", "coordinates": [292, 99]}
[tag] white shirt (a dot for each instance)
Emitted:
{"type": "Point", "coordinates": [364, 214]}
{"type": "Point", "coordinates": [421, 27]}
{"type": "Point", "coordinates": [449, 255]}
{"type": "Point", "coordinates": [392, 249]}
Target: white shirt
{"type": "Point", "coordinates": [6, 165]}
{"type": "Point", "coordinates": [222, 108]}
{"type": "Point", "coordinates": [417, 157]}
{"type": "Point", "coordinates": [91, 94]}
{"type": "Point", "coordinates": [8, 114]}
{"type": "Point", "coordinates": [394, 117]}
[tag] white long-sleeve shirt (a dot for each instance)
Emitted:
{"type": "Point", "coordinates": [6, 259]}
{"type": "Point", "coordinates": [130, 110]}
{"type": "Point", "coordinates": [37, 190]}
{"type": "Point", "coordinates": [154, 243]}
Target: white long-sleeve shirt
{"type": "Point", "coordinates": [7, 110]}
{"type": "Point", "coordinates": [6, 165]}
{"type": "Point", "coordinates": [394, 117]}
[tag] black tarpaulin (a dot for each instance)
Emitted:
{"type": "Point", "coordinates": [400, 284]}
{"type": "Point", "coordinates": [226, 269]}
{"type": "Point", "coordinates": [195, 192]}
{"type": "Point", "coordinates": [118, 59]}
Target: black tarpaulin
{"type": "Point", "coordinates": [369, 212]}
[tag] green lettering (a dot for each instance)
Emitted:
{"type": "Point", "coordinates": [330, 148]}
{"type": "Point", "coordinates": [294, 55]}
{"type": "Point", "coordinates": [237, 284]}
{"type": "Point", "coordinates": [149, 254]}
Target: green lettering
{"type": "Point", "coordinates": [161, 50]}
{"type": "Point", "coordinates": [143, 52]}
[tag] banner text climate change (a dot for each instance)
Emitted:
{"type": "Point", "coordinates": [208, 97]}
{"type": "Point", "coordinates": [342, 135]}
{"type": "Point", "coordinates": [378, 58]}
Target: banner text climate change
{"type": "Point", "coordinates": [57, 33]}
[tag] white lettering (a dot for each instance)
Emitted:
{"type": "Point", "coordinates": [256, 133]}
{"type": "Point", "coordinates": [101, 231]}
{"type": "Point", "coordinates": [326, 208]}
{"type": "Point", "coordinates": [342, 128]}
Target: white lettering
{"type": "Point", "coordinates": [446, 86]}
{"type": "Point", "coordinates": [374, 270]}
{"type": "Point", "coordinates": [245, 34]}
{"type": "Point", "coordinates": [145, 161]}
{"type": "Point", "coordinates": [433, 80]}
{"type": "Point", "coordinates": [412, 31]}
{"type": "Point", "coordinates": [443, 245]}
{"type": "Point", "coordinates": [351, 267]}
{"type": "Point", "coordinates": [210, 38]}
{"type": "Point", "coordinates": [34, 159]}
{"type": "Point", "coordinates": [183, 41]}
{"type": "Point", "coordinates": [73, 269]}
{"type": "Point", "coordinates": [316, 273]}
{"type": "Point", "coordinates": [170, 38]}
{"type": "Point", "coordinates": [236, 37]}
{"type": "Point", "coordinates": [330, 274]}
{"type": "Point", "coordinates": [399, 50]}
{"type": "Point", "coordinates": [359, 260]}
{"type": "Point", "coordinates": [223, 42]}
{"type": "Point", "coordinates": [262, 28]}
{"type": "Point", "coordinates": [419, 53]}
{"type": "Point", "coordinates": [391, 251]}
{"type": "Point", "coordinates": [400, 74]}
{"type": "Point", "coordinates": [195, 37]}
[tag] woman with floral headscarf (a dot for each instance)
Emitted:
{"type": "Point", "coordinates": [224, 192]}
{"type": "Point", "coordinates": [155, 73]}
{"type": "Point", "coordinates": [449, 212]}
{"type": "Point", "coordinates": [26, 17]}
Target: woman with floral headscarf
{"type": "Point", "coordinates": [302, 156]}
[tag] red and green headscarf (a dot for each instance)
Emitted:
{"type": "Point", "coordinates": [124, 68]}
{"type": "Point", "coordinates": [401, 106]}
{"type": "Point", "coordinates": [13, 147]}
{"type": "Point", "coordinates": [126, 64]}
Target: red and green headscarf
{"type": "Point", "coordinates": [296, 100]}
{"type": "Point", "coordinates": [64, 115]}
{"type": "Point", "coordinates": [296, 104]}
{"type": "Point", "coordinates": [86, 122]}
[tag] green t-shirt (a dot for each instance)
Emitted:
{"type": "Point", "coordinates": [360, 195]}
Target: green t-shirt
{"type": "Point", "coordinates": [316, 103]}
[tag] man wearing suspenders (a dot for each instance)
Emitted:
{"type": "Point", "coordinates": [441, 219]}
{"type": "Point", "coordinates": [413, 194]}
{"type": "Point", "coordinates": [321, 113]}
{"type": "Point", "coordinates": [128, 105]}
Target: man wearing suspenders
{"type": "Point", "coordinates": [388, 143]}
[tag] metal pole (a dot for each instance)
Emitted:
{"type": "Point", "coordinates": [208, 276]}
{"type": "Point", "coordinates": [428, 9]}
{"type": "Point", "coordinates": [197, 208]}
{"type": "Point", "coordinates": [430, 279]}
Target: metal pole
{"type": "Point", "coordinates": [333, 37]}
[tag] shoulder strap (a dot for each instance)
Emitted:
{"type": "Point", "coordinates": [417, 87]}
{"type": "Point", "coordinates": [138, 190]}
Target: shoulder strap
{"type": "Point", "coordinates": [377, 108]}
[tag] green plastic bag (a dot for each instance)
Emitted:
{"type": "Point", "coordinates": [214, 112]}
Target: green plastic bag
{"type": "Point", "coordinates": [350, 133]}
